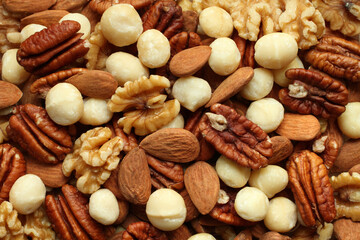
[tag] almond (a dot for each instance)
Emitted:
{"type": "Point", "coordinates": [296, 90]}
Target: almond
{"type": "Point", "coordinates": [349, 156]}
{"type": "Point", "coordinates": [203, 186]}
{"type": "Point", "coordinates": [172, 144]}
{"type": "Point", "coordinates": [345, 229]}
{"type": "Point", "coordinates": [9, 94]}
{"type": "Point", "coordinates": [45, 18]}
{"type": "Point", "coordinates": [70, 5]}
{"type": "Point", "coordinates": [282, 148]}
{"type": "Point", "coordinates": [94, 83]}
{"type": "Point", "coordinates": [299, 127]}
{"type": "Point", "coordinates": [134, 177]}
{"type": "Point", "coordinates": [189, 61]}
{"type": "Point", "coordinates": [27, 6]}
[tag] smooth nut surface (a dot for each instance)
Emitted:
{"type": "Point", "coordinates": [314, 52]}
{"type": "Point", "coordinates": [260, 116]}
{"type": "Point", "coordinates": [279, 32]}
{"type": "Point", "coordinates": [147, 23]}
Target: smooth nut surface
{"type": "Point", "coordinates": [202, 236]}
{"type": "Point", "coordinates": [83, 20]}
{"type": "Point", "coordinates": [282, 215]}
{"type": "Point", "coordinates": [279, 74]}
{"type": "Point", "coordinates": [103, 207]}
{"type": "Point", "coordinates": [348, 120]}
{"type": "Point", "coordinates": [177, 122]}
{"type": "Point", "coordinates": [259, 86]}
{"type": "Point", "coordinates": [11, 70]}
{"type": "Point", "coordinates": [216, 22]}
{"type": "Point", "coordinates": [231, 173]}
{"type": "Point", "coordinates": [96, 112]}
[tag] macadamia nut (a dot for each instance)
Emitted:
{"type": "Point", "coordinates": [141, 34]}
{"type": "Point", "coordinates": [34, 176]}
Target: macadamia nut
{"type": "Point", "coordinates": [267, 113]}
{"type": "Point", "coordinates": [82, 19]}
{"type": "Point", "coordinates": [153, 48]}
{"type": "Point", "coordinates": [231, 173]}
{"type": "Point", "coordinates": [216, 22]}
{"type": "Point", "coordinates": [96, 112]}
{"type": "Point", "coordinates": [349, 121]}
{"type": "Point", "coordinates": [259, 86]}
{"type": "Point", "coordinates": [279, 74]}
{"type": "Point", "coordinates": [64, 104]}
{"type": "Point", "coordinates": [125, 67]}
{"type": "Point", "coordinates": [192, 92]}
{"type": "Point", "coordinates": [177, 122]}
{"type": "Point", "coordinates": [270, 179]}
{"type": "Point", "coordinates": [281, 216]}
{"type": "Point", "coordinates": [29, 30]}
{"type": "Point", "coordinates": [275, 50]}
{"type": "Point", "coordinates": [11, 70]}
{"type": "Point", "coordinates": [103, 206]}
{"type": "Point", "coordinates": [166, 209]}
{"type": "Point", "coordinates": [27, 194]}
{"type": "Point", "coordinates": [225, 56]}
{"type": "Point", "coordinates": [202, 236]}
{"type": "Point", "coordinates": [121, 24]}
{"type": "Point", "coordinates": [251, 204]}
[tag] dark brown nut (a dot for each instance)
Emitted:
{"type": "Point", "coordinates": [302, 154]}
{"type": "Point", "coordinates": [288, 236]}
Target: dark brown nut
{"type": "Point", "coordinates": [165, 16]}
{"type": "Point", "coordinates": [130, 141]}
{"type": "Point", "coordinates": [191, 210]}
{"type": "Point", "coordinates": [19, 6]}
{"type": "Point", "coordinates": [45, 18]}
{"type": "Point", "coordinates": [236, 137]}
{"type": "Point", "coordinates": [143, 231]}
{"type": "Point", "coordinates": [12, 167]}
{"type": "Point", "coordinates": [70, 5]}
{"type": "Point", "coordinates": [181, 233]}
{"type": "Point", "coordinates": [244, 235]}
{"type": "Point", "coordinates": [314, 93]}
{"type": "Point", "coordinates": [246, 49]}
{"type": "Point", "coordinates": [100, 6]}
{"type": "Point", "coordinates": [52, 48]}
{"type": "Point", "coordinates": [112, 184]}
{"type": "Point", "coordinates": [282, 149]}
{"type": "Point", "coordinates": [191, 21]}
{"type": "Point", "coordinates": [37, 134]}
{"type": "Point", "coordinates": [310, 184]}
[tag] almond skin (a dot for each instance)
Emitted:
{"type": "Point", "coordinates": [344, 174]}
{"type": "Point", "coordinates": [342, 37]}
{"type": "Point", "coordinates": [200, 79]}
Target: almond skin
{"type": "Point", "coordinates": [282, 148]}
{"type": "Point", "coordinates": [349, 156]}
{"type": "Point", "coordinates": [9, 94]}
{"type": "Point", "coordinates": [27, 6]}
{"type": "Point", "coordinates": [45, 18]}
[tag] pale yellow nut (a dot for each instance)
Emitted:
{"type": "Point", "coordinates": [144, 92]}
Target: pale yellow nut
{"type": "Point", "coordinates": [121, 25]}
{"type": "Point", "coordinates": [96, 112]}
{"type": "Point", "coordinates": [27, 194]}
{"type": "Point", "coordinates": [29, 30]}
{"type": "Point", "coordinates": [14, 37]}
{"type": "Point", "coordinates": [281, 216]}
{"type": "Point", "coordinates": [259, 86]}
{"type": "Point", "coordinates": [166, 209]}
{"type": "Point", "coordinates": [11, 70]}
{"type": "Point", "coordinates": [216, 22]}
{"type": "Point", "coordinates": [275, 50]}
{"type": "Point", "coordinates": [64, 104]}
{"type": "Point", "coordinates": [267, 113]}
{"type": "Point", "coordinates": [83, 20]}
{"type": "Point", "coordinates": [103, 207]}
{"type": "Point", "coordinates": [279, 74]}
{"type": "Point", "coordinates": [349, 121]}
{"type": "Point", "coordinates": [177, 122]}
{"type": "Point", "coordinates": [231, 173]}
{"type": "Point", "coordinates": [202, 236]}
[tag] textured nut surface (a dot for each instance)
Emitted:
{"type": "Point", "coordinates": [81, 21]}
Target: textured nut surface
{"type": "Point", "coordinates": [259, 86]}
{"type": "Point", "coordinates": [38, 226]}
{"type": "Point", "coordinates": [282, 148]}
{"type": "Point", "coordinates": [45, 18]}
{"type": "Point", "coordinates": [29, 30]}
{"type": "Point", "coordinates": [10, 225]}
{"type": "Point", "coordinates": [348, 156]}
{"type": "Point", "coordinates": [216, 22]}
{"type": "Point", "coordinates": [9, 95]}
{"type": "Point", "coordinates": [231, 173]}
{"type": "Point", "coordinates": [143, 230]}
{"type": "Point", "coordinates": [80, 18]}
{"type": "Point", "coordinates": [103, 207]}
{"type": "Point", "coordinates": [281, 216]}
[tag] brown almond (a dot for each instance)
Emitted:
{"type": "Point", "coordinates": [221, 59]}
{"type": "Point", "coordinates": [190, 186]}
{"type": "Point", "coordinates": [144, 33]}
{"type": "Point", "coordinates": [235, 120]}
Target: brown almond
{"type": "Point", "coordinates": [231, 85]}
{"type": "Point", "coordinates": [299, 127]}
{"type": "Point", "coordinates": [346, 229]}
{"type": "Point", "coordinates": [189, 61]}
{"type": "Point", "coordinates": [94, 83]}
{"type": "Point", "coordinates": [355, 169]}
{"type": "Point", "coordinates": [45, 18]}
{"type": "Point", "coordinates": [203, 186]}
{"type": "Point", "coordinates": [69, 5]}
{"type": "Point", "coordinates": [9, 94]}
{"type": "Point", "coordinates": [349, 156]}
{"type": "Point", "coordinates": [172, 144]}
{"type": "Point", "coordinates": [282, 148]}
{"type": "Point", "coordinates": [191, 210]}
{"type": "Point", "coordinates": [27, 6]}
{"type": "Point", "coordinates": [134, 177]}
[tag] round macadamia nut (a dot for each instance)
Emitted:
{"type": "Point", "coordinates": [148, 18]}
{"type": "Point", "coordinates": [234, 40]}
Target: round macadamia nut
{"type": "Point", "coordinates": [259, 86]}
{"type": "Point", "coordinates": [281, 216]}
{"type": "Point", "coordinates": [275, 50]}
{"type": "Point", "coordinates": [103, 206]}
{"type": "Point", "coordinates": [231, 173]}
{"type": "Point", "coordinates": [29, 30]}
{"type": "Point", "coordinates": [192, 92]}
{"type": "Point", "coordinates": [177, 122]}
{"type": "Point", "coordinates": [251, 204]}
{"type": "Point", "coordinates": [125, 67]}
{"type": "Point", "coordinates": [349, 121]}
{"type": "Point", "coordinates": [82, 19]}
{"type": "Point", "coordinates": [153, 48]}
{"type": "Point", "coordinates": [202, 236]}
{"type": "Point", "coordinates": [96, 112]}
{"type": "Point", "coordinates": [121, 24]}
{"type": "Point", "coordinates": [11, 70]}
{"type": "Point", "coordinates": [267, 113]}
{"type": "Point", "coordinates": [166, 209]}
{"type": "Point", "coordinates": [216, 22]}
{"type": "Point", "coordinates": [279, 74]}
{"type": "Point", "coordinates": [27, 194]}
{"type": "Point", "coordinates": [64, 104]}
{"type": "Point", "coordinates": [225, 56]}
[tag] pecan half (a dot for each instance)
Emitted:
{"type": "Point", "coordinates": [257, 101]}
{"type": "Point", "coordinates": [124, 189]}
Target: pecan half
{"type": "Point", "coordinates": [313, 92]}
{"type": "Point", "coordinates": [309, 182]}
{"type": "Point", "coordinates": [130, 141]}
{"type": "Point", "coordinates": [143, 231]}
{"type": "Point", "coordinates": [100, 6]}
{"type": "Point", "coordinates": [236, 137]}
{"type": "Point", "coordinates": [246, 49]}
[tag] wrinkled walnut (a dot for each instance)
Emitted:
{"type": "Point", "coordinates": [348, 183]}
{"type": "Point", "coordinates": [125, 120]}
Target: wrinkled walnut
{"type": "Point", "coordinates": [38, 226]}
{"type": "Point", "coordinates": [143, 231]}
{"type": "Point", "coordinates": [10, 225]}
{"type": "Point", "coordinates": [94, 156]}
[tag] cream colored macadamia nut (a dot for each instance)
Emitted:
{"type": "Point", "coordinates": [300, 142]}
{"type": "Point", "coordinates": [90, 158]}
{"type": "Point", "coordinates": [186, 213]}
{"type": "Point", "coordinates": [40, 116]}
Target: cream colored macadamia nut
{"type": "Point", "coordinates": [121, 25]}
{"type": "Point", "coordinates": [349, 121]}
{"type": "Point", "coordinates": [281, 216]}
{"type": "Point", "coordinates": [225, 56]}
{"type": "Point", "coordinates": [231, 173]}
{"type": "Point", "coordinates": [267, 113]}
{"type": "Point", "coordinates": [177, 122]}
{"type": "Point", "coordinates": [83, 20]}
{"type": "Point", "coordinates": [202, 236]}
{"type": "Point", "coordinates": [192, 92]}
{"type": "Point", "coordinates": [270, 179]}
{"type": "Point", "coordinates": [96, 112]}
{"type": "Point", "coordinates": [29, 30]}
{"type": "Point", "coordinates": [125, 67]}
{"type": "Point", "coordinates": [103, 206]}
{"type": "Point", "coordinates": [279, 74]}
{"type": "Point", "coordinates": [216, 22]}
{"type": "Point", "coordinates": [166, 209]}
{"type": "Point", "coordinates": [11, 70]}
{"type": "Point", "coordinates": [64, 104]}
{"type": "Point", "coordinates": [153, 48]}
{"type": "Point", "coordinates": [251, 204]}
{"type": "Point", "coordinates": [27, 194]}
{"type": "Point", "coordinates": [259, 86]}
{"type": "Point", "coordinates": [275, 50]}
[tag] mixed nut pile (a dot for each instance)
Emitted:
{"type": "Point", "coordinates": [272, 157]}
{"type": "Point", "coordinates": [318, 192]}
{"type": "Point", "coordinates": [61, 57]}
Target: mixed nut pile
{"type": "Point", "coordinates": [189, 119]}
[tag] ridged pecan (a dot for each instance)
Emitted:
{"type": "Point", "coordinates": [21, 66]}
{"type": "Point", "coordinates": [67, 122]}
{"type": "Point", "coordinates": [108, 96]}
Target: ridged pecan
{"type": "Point", "coordinates": [52, 48]}
{"type": "Point", "coordinates": [32, 128]}
{"type": "Point", "coordinates": [246, 49]}
{"type": "Point", "coordinates": [236, 137]}
{"type": "Point", "coordinates": [130, 141]}
{"type": "Point", "coordinates": [315, 93]}
{"type": "Point", "coordinates": [310, 184]}
{"type": "Point", "coordinates": [100, 6]}
{"type": "Point", "coordinates": [143, 231]}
